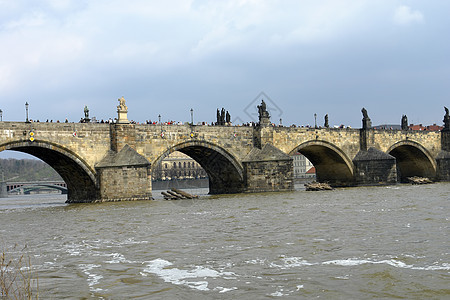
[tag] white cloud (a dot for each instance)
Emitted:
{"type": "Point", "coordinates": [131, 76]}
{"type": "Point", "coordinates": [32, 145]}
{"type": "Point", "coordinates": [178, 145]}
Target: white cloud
{"type": "Point", "coordinates": [404, 15]}
{"type": "Point", "coordinates": [70, 49]}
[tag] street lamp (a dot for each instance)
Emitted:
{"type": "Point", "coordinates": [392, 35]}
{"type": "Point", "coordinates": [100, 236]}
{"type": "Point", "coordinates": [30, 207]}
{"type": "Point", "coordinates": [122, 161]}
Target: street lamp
{"type": "Point", "coordinates": [1, 115]}
{"type": "Point", "coordinates": [315, 120]}
{"type": "Point", "coordinates": [192, 116]}
{"type": "Point", "coordinates": [159, 120]}
{"type": "Point", "coordinates": [26, 108]}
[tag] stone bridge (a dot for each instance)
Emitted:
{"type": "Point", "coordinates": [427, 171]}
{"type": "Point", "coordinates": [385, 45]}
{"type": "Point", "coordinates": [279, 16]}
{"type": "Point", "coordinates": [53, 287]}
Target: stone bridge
{"type": "Point", "coordinates": [112, 162]}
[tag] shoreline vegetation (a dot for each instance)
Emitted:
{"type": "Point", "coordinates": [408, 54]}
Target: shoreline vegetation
{"type": "Point", "coordinates": [17, 280]}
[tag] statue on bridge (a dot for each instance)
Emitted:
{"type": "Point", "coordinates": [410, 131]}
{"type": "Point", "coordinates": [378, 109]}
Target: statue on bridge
{"type": "Point", "coordinates": [223, 117]}
{"type": "Point", "coordinates": [366, 122]}
{"type": "Point", "coordinates": [326, 125]}
{"type": "Point", "coordinates": [86, 115]}
{"type": "Point", "coordinates": [122, 111]}
{"type": "Point", "coordinates": [404, 122]}
{"type": "Point", "coordinates": [264, 117]}
{"type": "Point", "coordinates": [446, 120]}
{"type": "Point", "coordinates": [122, 106]}
{"type": "Point", "coordinates": [364, 112]}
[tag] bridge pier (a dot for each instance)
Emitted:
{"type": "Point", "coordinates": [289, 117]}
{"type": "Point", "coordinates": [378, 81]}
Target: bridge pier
{"type": "Point", "coordinates": [3, 190]}
{"type": "Point", "coordinates": [443, 158]}
{"type": "Point", "coordinates": [125, 175]}
{"type": "Point", "coordinates": [374, 167]}
{"type": "Point", "coordinates": [268, 170]}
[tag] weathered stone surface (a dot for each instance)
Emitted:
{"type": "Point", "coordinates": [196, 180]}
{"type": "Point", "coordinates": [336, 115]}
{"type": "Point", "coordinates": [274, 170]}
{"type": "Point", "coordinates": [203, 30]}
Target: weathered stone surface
{"type": "Point", "coordinates": [124, 175]}
{"type": "Point", "coordinates": [125, 183]}
{"type": "Point", "coordinates": [374, 167]}
{"type": "Point", "coordinates": [267, 153]}
{"type": "Point", "coordinates": [445, 140]}
{"type": "Point", "coordinates": [125, 157]}
{"type": "Point", "coordinates": [89, 156]}
{"type": "Point", "coordinates": [443, 166]}
{"type": "Point", "coordinates": [268, 169]}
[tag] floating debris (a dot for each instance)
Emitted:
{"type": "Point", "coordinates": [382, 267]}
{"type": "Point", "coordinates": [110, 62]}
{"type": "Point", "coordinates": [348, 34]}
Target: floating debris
{"type": "Point", "coordinates": [317, 186]}
{"type": "Point", "coordinates": [419, 180]}
{"type": "Point", "coordinates": [176, 194]}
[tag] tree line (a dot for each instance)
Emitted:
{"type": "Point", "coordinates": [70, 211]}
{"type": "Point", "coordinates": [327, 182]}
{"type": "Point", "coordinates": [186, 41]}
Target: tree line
{"type": "Point", "coordinates": [18, 170]}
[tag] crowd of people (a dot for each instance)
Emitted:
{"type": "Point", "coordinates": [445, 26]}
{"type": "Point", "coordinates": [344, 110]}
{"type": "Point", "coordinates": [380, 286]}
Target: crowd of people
{"type": "Point", "coordinates": [171, 122]}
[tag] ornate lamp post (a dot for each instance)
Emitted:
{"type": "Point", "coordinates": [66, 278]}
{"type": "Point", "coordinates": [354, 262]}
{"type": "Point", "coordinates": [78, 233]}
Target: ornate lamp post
{"type": "Point", "coordinates": [192, 116]}
{"type": "Point", "coordinates": [1, 115]}
{"type": "Point", "coordinates": [159, 120]}
{"type": "Point", "coordinates": [26, 108]}
{"type": "Point", "coordinates": [315, 120]}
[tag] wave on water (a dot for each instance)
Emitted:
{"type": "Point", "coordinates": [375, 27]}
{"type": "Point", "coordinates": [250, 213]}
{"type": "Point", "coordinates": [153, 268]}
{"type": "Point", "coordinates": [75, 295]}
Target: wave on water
{"type": "Point", "coordinates": [177, 276]}
{"type": "Point", "coordinates": [293, 262]}
{"type": "Point", "coordinates": [92, 279]}
{"type": "Point", "coordinates": [391, 262]}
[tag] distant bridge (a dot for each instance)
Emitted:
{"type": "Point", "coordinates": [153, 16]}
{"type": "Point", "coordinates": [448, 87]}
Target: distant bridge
{"type": "Point", "coordinates": [111, 162]}
{"type": "Point", "coordinates": [26, 187]}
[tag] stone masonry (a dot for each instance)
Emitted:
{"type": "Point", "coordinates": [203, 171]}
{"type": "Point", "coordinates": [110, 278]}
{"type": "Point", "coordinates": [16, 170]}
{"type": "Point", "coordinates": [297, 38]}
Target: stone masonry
{"type": "Point", "coordinates": [110, 162]}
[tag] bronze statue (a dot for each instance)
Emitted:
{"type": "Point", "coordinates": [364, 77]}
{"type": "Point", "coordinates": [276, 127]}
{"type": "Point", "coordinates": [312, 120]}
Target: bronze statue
{"type": "Point", "coordinates": [364, 112]}
{"type": "Point", "coordinates": [404, 122]}
{"type": "Point", "coordinates": [86, 112]}
{"type": "Point", "coordinates": [446, 120]}
{"type": "Point", "coordinates": [366, 122]}
{"type": "Point", "coordinates": [326, 125]}
{"type": "Point", "coordinates": [262, 110]}
{"type": "Point", "coordinates": [222, 116]}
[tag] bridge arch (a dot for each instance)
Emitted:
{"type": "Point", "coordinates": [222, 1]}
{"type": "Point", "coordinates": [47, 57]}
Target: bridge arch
{"type": "Point", "coordinates": [412, 160]}
{"type": "Point", "coordinates": [225, 172]}
{"type": "Point", "coordinates": [37, 185]}
{"type": "Point", "coordinates": [331, 163]}
{"type": "Point", "coordinates": [78, 175]}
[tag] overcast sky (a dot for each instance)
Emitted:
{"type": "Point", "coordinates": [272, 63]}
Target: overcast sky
{"type": "Point", "coordinates": [165, 57]}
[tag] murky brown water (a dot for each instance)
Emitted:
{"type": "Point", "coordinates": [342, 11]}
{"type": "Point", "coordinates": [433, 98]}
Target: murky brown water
{"type": "Point", "coordinates": [357, 243]}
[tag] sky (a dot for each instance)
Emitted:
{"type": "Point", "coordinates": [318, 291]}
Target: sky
{"type": "Point", "coordinates": [304, 57]}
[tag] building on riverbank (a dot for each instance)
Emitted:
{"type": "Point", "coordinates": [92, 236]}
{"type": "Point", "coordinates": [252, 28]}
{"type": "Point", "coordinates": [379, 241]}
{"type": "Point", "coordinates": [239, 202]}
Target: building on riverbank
{"type": "Point", "coordinates": [178, 166]}
{"type": "Point", "coordinates": [303, 168]}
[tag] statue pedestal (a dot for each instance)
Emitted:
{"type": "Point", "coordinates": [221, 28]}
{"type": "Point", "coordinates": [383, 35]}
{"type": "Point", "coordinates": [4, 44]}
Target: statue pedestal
{"type": "Point", "coordinates": [122, 117]}
{"type": "Point", "coordinates": [366, 123]}
{"type": "Point", "coordinates": [264, 120]}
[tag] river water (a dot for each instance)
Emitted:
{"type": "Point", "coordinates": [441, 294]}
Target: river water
{"type": "Point", "coordinates": [353, 243]}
